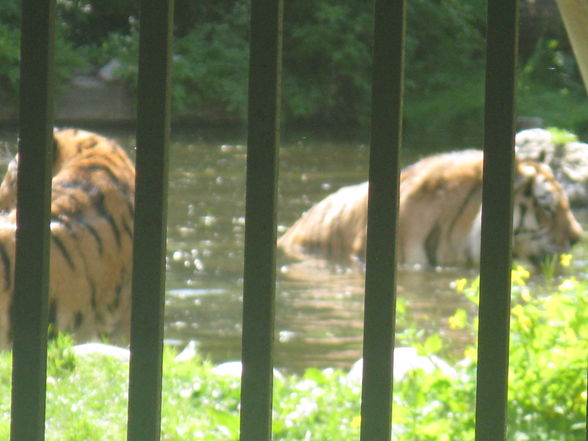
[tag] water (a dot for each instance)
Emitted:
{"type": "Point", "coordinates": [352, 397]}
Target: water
{"type": "Point", "coordinates": [319, 307]}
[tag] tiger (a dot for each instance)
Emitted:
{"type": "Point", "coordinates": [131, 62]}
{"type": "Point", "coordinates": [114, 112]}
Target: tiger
{"type": "Point", "coordinates": [91, 238]}
{"type": "Point", "coordinates": [439, 216]}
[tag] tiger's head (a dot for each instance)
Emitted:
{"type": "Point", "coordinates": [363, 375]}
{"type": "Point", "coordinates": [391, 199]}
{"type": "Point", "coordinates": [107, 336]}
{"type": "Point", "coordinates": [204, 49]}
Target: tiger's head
{"type": "Point", "coordinates": [543, 224]}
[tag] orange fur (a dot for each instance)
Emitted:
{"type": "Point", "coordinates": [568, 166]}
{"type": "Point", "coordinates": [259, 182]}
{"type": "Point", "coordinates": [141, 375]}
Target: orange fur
{"type": "Point", "coordinates": [439, 215]}
{"type": "Point", "coordinates": [92, 210]}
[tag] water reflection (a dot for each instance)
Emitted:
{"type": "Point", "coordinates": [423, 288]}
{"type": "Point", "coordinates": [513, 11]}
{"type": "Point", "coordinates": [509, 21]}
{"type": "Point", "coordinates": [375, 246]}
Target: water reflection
{"type": "Point", "coordinates": [319, 305]}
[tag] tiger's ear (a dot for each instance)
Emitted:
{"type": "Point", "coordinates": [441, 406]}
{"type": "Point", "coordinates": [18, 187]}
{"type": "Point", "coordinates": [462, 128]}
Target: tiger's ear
{"type": "Point", "coordinates": [525, 175]}
{"type": "Point", "coordinates": [535, 180]}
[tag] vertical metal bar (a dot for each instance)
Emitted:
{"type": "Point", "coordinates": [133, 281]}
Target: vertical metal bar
{"type": "Point", "coordinates": [260, 215]}
{"type": "Point", "coordinates": [150, 220]}
{"type": "Point", "coordinates": [380, 296]}
{"type": "Point", "coordinates": [29, 307]}
{"type": "Point", "coordinates": [497, 202]}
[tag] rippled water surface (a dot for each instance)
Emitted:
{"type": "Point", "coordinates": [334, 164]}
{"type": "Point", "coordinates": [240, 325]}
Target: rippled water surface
{"type": "Point", "coordinates": [319, 307]}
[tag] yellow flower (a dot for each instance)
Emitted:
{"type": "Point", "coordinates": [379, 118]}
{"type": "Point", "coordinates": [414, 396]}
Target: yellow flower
{"type": "Point", "coordinates": [356, 421]}
{"type": "Point", "coordinates": [526, 295]}
{"type": "Point", "coordinates": [519, 275]}
{"type": "Point", "coordinates": [565, 260]}
{"type": "Point", "coordinates": [470, 353]}
{"type": "Point", "coordinates": [459, 320]}
{"type": "Point", "coordinates": [460, 285]}
{"type": "Point", "coordinates": [519, 312]}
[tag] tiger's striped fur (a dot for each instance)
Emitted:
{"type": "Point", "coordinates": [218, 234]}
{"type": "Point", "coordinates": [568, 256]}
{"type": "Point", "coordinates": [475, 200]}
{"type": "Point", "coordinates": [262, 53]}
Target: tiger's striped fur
{"type": "Point", "coordinates": [92, 211]}
{"type": "Point", "coordinates": [439, 219]}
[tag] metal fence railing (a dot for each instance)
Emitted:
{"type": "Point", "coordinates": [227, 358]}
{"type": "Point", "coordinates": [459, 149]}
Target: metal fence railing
{"type": "Point", "coordinates": [30, 315]}
{"type": "Point", "coordinates": [31, 278]}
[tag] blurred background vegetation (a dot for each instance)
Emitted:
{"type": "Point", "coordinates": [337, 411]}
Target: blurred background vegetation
{"type": "Point", "coordinates": [327, 56]}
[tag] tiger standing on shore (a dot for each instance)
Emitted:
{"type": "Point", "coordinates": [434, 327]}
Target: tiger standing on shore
{"type": "Point", "coordinates": [439, 218]}
{"type": "Point", "coordinates": [92, 212]}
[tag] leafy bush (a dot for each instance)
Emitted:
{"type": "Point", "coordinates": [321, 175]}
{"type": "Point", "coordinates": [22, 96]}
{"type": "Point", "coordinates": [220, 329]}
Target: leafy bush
{"type": "Point", "coordinates": [66, 60]}
{"type": "Point", "coordinates": [327, 61]}
{"type": "Point", "coordinates": [10, 52]}
{"type": "Point", "coordinates": [550, 81]}
{"type": "Point", "coordinates": [90, 22]}
{"type": "Point", "coordinates": [9, 59]}
{"type": "Point", "coordinates": [547, 365]}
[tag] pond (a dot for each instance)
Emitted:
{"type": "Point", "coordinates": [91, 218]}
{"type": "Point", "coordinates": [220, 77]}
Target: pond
{"type": "Point", "coordinates": [319, 307]}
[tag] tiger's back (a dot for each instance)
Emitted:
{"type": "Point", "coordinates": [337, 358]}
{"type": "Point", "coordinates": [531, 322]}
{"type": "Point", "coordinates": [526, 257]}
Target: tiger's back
{"type": "Point", "coordinates": [440, 199]}
{"type": "Point", "coordinates": [92, 210]}
{"type": "Point", "coordinates": [439, 218]}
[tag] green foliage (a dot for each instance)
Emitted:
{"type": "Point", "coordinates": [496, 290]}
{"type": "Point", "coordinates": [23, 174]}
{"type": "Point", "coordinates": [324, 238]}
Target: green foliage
{"type": "Point", "coordinates": [10, 49]}
{"type": "Point", "coordinates": [210, 65]}
{"type": "Point", "coordinates": [549, 85]}
{"type": "Point", "coordinates": [548, 360]}
{"type": "Point", "coordinates": [561, 137]}
{"type": "Point", "coordinates": [9, 59]}
{"type": "Point", "coordinates": [61, 360]}
{"type": "Point", "coordinates": [66, 60]}
{"type": "Point", "coordinates": [547, 364]}
{"type": "Point", "coordinates": [210, 52]}
{"type": "Point", "coordinates": [327, 61]}
{"type": "Point", "coordinates": [90, 22]}
{"type": "Point", "coordinates": [445, 66]}
{"type": "Point", "coordinates": [87, 395]}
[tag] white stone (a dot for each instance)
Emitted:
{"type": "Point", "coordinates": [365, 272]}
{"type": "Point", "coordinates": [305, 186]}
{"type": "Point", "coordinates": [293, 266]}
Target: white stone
{"type": "Point", "coordinates": [102, 349]}
{"type": "Point", "coordinates": [235, 368]}
{"type": "Point", "coordinates": [406, 359]}
{"type": "Point", "coordinates": [108, 71]}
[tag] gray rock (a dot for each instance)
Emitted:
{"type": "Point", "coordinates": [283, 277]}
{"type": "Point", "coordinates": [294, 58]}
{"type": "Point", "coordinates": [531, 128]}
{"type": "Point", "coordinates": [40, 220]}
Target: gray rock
{"type": "Point", "coordinates": [108, 72]}
{"type": "Point", "coordinates": [569, 161]}
{"type": "Point", "coordinates": [90, 99]}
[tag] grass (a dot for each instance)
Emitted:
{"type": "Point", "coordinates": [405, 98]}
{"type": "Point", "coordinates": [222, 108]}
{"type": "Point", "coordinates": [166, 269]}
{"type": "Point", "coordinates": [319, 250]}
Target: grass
{"type": "Point", "coordinates": [87, 395]}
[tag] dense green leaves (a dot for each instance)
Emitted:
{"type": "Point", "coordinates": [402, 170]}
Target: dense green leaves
{"type": "Point", "coordinates": [327, 61]}
{"type": "Point", "coordinates": [66, 59]}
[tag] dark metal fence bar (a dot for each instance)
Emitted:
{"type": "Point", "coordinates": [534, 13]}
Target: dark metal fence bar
{"type": "Point", "coordinates": [29, 313]}
{"type": "Point", "coordinates": [380, 297]}
{"type": "Point", "coordinates": [150, 220]}
{"type": "Point", "coordinates": [493, 334]}
{"type": "Point", "coordinates": [260, 215]}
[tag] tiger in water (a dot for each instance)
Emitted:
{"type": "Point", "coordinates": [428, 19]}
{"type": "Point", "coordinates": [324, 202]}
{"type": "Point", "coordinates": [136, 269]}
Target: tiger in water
{"type": "Point", "coordinates": [91, 241]}
{"type": "Point", "coordinates": [439, 218]}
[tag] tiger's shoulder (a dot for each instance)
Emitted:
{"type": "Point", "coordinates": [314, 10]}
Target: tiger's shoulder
{"type": "Point", "coordinates": [439, 217]}
{"type": "Point", "coordinates": [440, 211]}
{"type": "Point", "coordinates": [91, 237]}
{"type": "Point", "coordinates": [76, 153]}
{"type": "Point", "coordinates": [80, 149]}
